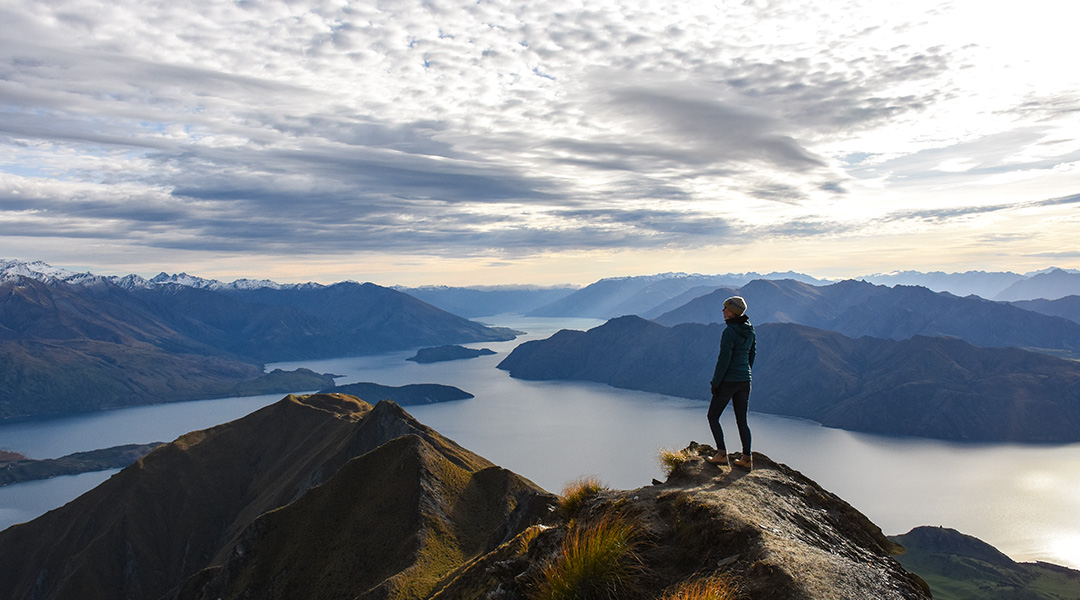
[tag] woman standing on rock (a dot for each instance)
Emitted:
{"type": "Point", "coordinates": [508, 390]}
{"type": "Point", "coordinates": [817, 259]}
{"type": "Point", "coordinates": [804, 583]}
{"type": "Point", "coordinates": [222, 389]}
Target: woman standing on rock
{"type": "Point", "coordinates": [731, 380]}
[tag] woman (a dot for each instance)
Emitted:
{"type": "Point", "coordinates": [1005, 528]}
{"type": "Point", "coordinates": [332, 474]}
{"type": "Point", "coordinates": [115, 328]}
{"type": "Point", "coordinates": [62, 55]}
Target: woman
{"type": "Point", "coordinates": [731, 380]}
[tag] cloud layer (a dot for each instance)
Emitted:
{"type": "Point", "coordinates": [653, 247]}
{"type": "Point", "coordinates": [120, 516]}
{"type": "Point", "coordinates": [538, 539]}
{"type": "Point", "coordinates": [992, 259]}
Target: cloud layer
{"type": "Point", "coordinates": [463, 129]}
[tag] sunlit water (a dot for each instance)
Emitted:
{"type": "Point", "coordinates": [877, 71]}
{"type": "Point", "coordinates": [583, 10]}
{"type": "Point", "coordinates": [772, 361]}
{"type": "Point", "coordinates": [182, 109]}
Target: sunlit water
{"type": "Point", "coordinates": [1023, 499]}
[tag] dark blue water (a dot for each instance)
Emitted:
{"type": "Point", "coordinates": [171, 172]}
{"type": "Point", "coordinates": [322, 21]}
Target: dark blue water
{"type": "Point", "coordinates": [1022, 499]}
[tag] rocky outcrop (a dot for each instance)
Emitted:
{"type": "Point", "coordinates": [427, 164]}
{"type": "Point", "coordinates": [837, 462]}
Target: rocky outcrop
{"type": "Point", "coordinates": [769, 534]}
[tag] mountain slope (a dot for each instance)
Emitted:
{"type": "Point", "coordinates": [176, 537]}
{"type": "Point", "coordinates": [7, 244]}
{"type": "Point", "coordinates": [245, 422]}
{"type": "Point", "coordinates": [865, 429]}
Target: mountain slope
{"type": "Point", "coordinates": [184, 507]}
{"type": "Point", "coordinates": [856, 309]}
{"type": "Point", "coordinates": [933, 387]}
{"type": "Point", "coordinates": [391, 523]}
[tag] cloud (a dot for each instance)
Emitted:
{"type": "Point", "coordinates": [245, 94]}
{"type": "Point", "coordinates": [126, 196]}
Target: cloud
{"type": "Point", "coordinates": [460, 128]}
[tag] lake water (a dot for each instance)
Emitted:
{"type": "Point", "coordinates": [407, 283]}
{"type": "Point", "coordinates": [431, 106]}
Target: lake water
{"type": "Point", "coordinates": [1023, 499]}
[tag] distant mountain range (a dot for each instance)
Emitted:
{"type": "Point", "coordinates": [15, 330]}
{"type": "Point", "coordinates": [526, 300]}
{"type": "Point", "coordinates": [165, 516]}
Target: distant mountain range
{"type": "Point", "coordinates": [77, 342]}
{"type": "Point", "coordinates": [650, 296]}
{"type": "Point", "coordinates": [923, 386]}
{"type": "Point", "coordinates": [485, 301]}
{"type": "Point", "coordinates": [618, 296]}
{"type": "Point", "coordinates": [856, 308]}
{"type": "Point", "coordinates": [325, 496]}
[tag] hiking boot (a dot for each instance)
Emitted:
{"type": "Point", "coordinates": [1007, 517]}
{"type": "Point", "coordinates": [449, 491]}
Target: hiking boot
{"type": "Point", "coordinates": [744, 462]}
{"type": "Point", "coordinates": [719, 459]}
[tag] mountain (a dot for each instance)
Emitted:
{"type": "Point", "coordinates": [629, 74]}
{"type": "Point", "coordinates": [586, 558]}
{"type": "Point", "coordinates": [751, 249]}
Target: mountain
{"type": "Point", "coordinates": [980, 283]}
{"type": "Point", "coordinates": [1066, 308]}
{"type": "Point", "coordinates": [326, 496]}
{"type": "Point", "coordinates": [961, 567]}
{"type": "Point", "coordinates": [74, 347]}
{"type": "Point", "coordinates": [618, 296]}
{"type": "Point", "coordinates": [856, 308]}
{"type": "Point", "coordinates": [1051, 285]}
{"type": "Point", "coordinates": [368, 318]}
{"type": "Point", "coordinates": [311, 321]}
{"type": "Point", "coordinates": [473, 302]}
{"type": "Point", "coordinates": [77, 342]}
{"type": "Point", "coordinates": [924, 386]}
{"type": "Point", "coordinates": [406, 395]}
{"type": "Point", "coordinates": [190, 507]}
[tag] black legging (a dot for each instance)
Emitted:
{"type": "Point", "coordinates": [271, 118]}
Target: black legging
{"type": "Point", "coordinates": [738, 392]}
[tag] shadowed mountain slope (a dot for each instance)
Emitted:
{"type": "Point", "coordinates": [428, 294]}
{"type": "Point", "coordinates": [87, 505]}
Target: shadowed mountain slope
{"type": "Point", "coordinates": [183, 507]}
{"type": "Point", "coordinates": [924, 386]}
{"type": "Point", "coordinates": [857, 309]}
{"type": "Point", "coordinates": [391, 523]}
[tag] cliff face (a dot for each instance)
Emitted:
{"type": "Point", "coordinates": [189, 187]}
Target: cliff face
{"type": "Point", "coordinates": [326, 496]}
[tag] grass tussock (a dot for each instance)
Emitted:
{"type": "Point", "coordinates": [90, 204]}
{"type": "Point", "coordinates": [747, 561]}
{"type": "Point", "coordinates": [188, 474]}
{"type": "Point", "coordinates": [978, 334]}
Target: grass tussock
{"type": "Point", "coordinates": [529, 535]}
{"type": "Point", "coordinates": [596, 561]}
{"type": "Point", "coordinates": [717, 587]}
{"type": "Point", "coordinates": [577, 493]}
{"type": "Point", "coordinates": [672, 459]}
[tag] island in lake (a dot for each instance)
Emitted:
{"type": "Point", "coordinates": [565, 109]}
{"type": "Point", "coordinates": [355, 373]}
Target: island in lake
{"type": "Point", "coordinates": [444, 353]}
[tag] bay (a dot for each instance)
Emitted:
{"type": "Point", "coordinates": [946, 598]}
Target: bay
{"type": "Point", "coordinates": [1023, 499]}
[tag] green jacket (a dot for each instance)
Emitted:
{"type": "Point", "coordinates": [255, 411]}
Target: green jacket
{"type": "Point", "coordinates": [738, 347]}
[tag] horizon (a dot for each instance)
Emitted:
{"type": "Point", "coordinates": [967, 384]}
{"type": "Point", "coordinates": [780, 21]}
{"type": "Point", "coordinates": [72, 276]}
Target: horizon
{"type": "Point", "coordinates": [768, 274]}
{"type": "Point", "coordinates": [476, 143]}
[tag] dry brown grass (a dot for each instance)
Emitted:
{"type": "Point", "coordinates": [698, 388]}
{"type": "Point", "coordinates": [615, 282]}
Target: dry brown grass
{"type": "Point", "coordinates": [717, 587]}
{"type": "Point", "coordinates": [577, 493]}
{"type": "Point", "coordinates": [598, 561]}
{"type": "Point", "coordinates": [672, 459]}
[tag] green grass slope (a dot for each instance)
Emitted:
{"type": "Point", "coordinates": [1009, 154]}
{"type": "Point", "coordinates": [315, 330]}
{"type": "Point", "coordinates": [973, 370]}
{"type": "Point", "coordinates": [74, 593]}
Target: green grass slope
{"type": "Point", "coordinates": [962, 567]}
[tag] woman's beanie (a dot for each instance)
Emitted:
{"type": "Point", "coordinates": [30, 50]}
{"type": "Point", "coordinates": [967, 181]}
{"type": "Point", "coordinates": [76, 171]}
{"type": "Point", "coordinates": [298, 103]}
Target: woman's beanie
{"type": "Point", "coordinates": [736, 305]}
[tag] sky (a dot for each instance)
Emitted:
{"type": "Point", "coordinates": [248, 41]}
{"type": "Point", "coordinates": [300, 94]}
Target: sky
{"type": "Point", "coordinates": [490, 142]}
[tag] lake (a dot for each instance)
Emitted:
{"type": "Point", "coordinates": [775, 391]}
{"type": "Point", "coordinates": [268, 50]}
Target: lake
{"type": "Point", "coordinates": [1023, 499]}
